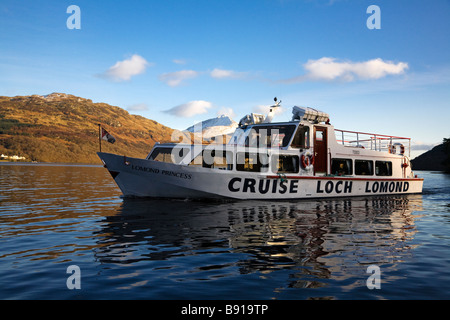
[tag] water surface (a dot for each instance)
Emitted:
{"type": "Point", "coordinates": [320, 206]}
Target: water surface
{"type": "Point", "coordinates": [55, 216]}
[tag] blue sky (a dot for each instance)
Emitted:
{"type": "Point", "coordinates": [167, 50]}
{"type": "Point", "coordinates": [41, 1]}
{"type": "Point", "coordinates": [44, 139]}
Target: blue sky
{"type": "Point", "coordinates": [180, 61]}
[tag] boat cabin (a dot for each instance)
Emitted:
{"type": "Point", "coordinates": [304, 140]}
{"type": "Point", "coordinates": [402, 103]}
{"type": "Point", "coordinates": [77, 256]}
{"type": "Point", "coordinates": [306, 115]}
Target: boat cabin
{"type": "Point", "coordinates": [308, 145]}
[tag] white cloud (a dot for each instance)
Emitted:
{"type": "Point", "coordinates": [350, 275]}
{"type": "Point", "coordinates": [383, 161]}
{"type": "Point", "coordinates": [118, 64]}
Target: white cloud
{"type": "Point", "coordinates": [190, 109]}
{"type": "Point", "coordinates": [138, 107]}
{"type": "Point", "coordinates": [179, 61]}
{"type": "Point", "coordinates": [174, 79]}
{"type": "Point", "coordinates": [124, 70]}
{"type": "Point", "coordinates": [226, 112]}
{"type": "Point", "coordinates": [419, 145]}
{"type": "Point", "coordinates": [264, 109]}
{"type": "Point", "coordinates": [329, 69]}
{"type": "Point", "coordinates": [224, 74]}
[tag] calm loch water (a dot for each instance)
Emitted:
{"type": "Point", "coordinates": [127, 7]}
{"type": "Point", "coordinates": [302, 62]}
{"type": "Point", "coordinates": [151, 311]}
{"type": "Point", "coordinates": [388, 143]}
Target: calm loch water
{"type": "Point", "coordinates": [56, 216]}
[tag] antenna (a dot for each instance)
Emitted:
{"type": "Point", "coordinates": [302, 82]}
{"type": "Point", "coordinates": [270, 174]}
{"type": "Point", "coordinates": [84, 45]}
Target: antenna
{"type": "Point", "coordinates": [271, 113]}
{"type": "Point", "coordinates": [277, 103]}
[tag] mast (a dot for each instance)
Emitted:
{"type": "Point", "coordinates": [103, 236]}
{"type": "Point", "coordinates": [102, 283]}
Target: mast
{"type": "Point", "coordinates": [271, 113]}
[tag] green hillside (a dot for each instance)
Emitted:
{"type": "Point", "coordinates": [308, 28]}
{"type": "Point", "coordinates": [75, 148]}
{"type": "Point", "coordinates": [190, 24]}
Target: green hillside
{"type": "Point", "coordinates": [64, 128]}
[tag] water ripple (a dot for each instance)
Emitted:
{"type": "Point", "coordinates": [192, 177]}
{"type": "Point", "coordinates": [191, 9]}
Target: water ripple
{"type": "Point", "coordinates": [55, 216]}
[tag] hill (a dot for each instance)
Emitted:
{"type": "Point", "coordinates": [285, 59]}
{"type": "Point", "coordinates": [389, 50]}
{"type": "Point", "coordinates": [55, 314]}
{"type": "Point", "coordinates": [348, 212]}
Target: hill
{"type": "Point", "coordinates": [64, 128]}
{"type": "Point", "coordinates": [432, 160]}
{"type": "Point", "coordinates": [215, 128]}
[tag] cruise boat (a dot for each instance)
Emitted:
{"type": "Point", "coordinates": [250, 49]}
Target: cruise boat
{"type": "Point", "coordinates": [303, 158]}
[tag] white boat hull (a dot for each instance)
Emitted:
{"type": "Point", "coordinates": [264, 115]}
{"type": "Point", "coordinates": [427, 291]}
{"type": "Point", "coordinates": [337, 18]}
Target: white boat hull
{"type": "Point", "coordinates": [146, 178]}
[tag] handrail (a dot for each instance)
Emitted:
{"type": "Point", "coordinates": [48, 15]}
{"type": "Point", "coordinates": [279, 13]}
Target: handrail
{"type": "Point", "coordinates": [371, 141]}
{"type": "Point", "coordinates": [373, 134]}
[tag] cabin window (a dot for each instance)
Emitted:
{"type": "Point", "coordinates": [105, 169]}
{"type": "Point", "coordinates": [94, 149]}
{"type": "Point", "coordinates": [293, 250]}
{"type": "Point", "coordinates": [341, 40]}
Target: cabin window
{"type": "Point", "coordinates": [252, 162]}
{"type": "Point", "coordinates": [285, 164]}
{"type": "Point", "coordinates": [197, 161]}
{"type": "Point", "coordinates": [217, 159]}
{"type": "Point", "coordinates": [364, 167]}
{"type": "Point", "coordinates": [238, 136]}
{"type": "Point", "coordinates": [301, 138]}
{"type": "Point", "coordinates": [169, 155]}
{"type": "Point", "coordinates": [319, 135]}
{"type": "Point", "coordinates": [214, 159]}
{"type": "Point", "coordinates": [269, 136]}
{"type": "Point", "coordinates": [383, 168]}
{"type": "Point", "coordinates": [341, 167]}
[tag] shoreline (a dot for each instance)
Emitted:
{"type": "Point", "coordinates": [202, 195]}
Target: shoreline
{"type": "Point", "coordinates": [30, 163]}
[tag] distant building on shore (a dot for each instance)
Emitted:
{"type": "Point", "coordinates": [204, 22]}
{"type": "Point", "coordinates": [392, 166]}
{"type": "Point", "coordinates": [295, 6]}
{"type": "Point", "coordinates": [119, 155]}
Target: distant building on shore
{"type": "Point", "coordinates": [15, 157]}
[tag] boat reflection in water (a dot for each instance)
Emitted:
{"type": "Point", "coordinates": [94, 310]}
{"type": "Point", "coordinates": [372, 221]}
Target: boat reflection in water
{"type": "Point", "coordinates": [313, 240]}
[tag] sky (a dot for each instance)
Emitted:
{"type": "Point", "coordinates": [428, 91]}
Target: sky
{"type": "Point", "coordinates": [382, 69]}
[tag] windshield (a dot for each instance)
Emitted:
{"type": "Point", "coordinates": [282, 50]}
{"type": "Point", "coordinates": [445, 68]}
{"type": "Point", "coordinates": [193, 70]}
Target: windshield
{"type": "Point", "coordinates": [263, 136]}
{"type": "Point", "coordinates": [168, 154]}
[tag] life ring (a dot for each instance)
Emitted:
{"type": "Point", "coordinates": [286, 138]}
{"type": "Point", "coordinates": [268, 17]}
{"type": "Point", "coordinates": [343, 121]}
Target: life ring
{"type": "Point", "coordinates": [307, 161]}
{"type": "Point", "coordinates": [393, 148]}
{"type": "Point", "coordinates": [402, 148]}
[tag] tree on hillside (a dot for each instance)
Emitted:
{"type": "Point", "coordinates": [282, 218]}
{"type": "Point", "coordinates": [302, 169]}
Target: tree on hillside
{"type": "Point", "coordinates": [446, 162]}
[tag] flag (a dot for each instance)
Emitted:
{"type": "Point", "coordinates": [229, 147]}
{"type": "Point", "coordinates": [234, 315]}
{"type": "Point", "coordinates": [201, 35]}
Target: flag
{"type": "Point", "coordinates": [108, 137]}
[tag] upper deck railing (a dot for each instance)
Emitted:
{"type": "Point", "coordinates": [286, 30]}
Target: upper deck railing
{"type": "Point", "coordinates": [373, 141]}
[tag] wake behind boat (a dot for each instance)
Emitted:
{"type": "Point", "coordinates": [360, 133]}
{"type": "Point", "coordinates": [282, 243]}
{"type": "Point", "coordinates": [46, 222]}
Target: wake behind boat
{"type": "Point", "coordinates": [299, 159]}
